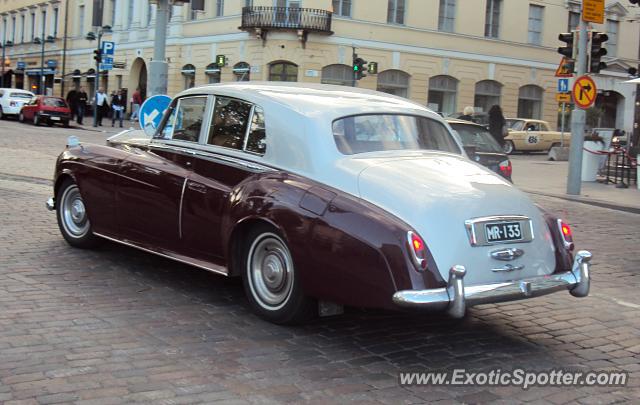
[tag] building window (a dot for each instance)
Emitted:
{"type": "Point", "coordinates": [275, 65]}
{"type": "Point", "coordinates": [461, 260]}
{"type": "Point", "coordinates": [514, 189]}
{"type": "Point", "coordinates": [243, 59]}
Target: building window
{"type": "Point", "coordinates": [574, 21]}
{"type": "Point", "coordinates": [219, 8]}
{"type": "Point", "coordinates": [22, 23]}
{"type": "Point", "coordinates": [248, 3]}
{"type": "Point", "coordinates": [130, 13]}
{"type": "Point", "coordinates": [213, 73]}
{"type": "Point", "coordinates": [446, 18]}
{"type": "Point", "coordinates": [530, 102]}
{"type": "Point", "coordinates": [337, 74]}
{"type": "Point", "coordinates": [113, 12]}
{"type": "Point", "coordinates": [487, 95]}
{"type": "Point", "coordinates": [189, 74]}
{"type": "Point", "coordinates": [33, 25]}
{"type": "Point", "coordinates": [44, 24]}
{"type": "Point", "coordinates": [242, 71]}
{"type": "Point", "coordinates": [81, 21]}
{"type": "Point", "coordinates": [342, 8]}
{"type": "Point", "coordinates": [395, 12]}
{"type": "Point", "coordinates": [55, 23]}
{"type": "Point", "coordinates": [535, 24]}
{"type": "Point", "coordinates": [283, 72]}
{"type": "Point", "coordinates": [612, 43]}
{"type": "Point", "coordinates": [442, 95]}
{"type": "Point", "coordinates": [492, 19]}
{"type": "Point", "coordinates": [13, 28]}
{"type": "Point", "coordinates": [394, 82]}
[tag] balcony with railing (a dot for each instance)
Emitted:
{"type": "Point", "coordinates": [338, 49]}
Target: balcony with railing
{"type": "Point", "coordinates": [261, 19]}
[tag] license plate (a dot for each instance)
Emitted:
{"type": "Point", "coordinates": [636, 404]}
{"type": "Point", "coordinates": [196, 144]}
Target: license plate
{"type": "Point", "coordinates": [55, 118]}
{"type": "Point", "coordinates": [503, 231]}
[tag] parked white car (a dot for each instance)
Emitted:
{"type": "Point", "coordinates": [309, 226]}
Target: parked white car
{"type": "Point", "coordinates": [12, 100]}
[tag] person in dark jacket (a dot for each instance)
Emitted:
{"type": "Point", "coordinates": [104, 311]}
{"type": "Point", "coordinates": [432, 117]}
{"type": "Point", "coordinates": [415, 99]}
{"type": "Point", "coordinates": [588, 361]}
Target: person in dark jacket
{"type": "Point", "coordinates": [72, 101]}
{"type": "Point", "coordinates": [118, 107]}
{"type": "Point", "coordinates": [81, 104]}
{"type": "Point", "coordinates": [497, 124]}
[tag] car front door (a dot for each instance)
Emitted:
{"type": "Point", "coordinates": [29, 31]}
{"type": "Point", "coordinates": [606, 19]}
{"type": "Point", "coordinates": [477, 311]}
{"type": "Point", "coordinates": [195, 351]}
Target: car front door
{"type": "Point", "coordinates": [28, 110]}
{"type": "Point", "coordinates": [154, 179]}
{"type": "Point", "coordinates": [236, 138]}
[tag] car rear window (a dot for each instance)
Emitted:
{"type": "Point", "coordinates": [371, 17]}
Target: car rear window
{"type": "Point", "coordinates": [53, 102]}
{"type": "Point", "coordinates": [474, 135]}
{"type": "Point", "coordinates": [20, 95]}
{"type": "Point", "coordinates": [382, 132]}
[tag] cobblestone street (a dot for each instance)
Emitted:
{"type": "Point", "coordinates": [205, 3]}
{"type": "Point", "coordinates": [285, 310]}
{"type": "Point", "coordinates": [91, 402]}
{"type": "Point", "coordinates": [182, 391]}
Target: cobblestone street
{"type": "Point", "coordinates": [116, 325]}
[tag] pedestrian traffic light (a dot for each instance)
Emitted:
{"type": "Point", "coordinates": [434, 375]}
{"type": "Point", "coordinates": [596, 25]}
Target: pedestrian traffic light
{"type": "Point", "coordinates": [372, 68]}
{"type": "Point", "coordinates": [359, 68]}
{"type": "Point", "coordinates": [569, 50]}
{"type": "Point", "coordinates": [221, 60]}
{"type": "Point", "coordinates": [97, 55]}
{"type": "Point", "coordinates": [597, 52]}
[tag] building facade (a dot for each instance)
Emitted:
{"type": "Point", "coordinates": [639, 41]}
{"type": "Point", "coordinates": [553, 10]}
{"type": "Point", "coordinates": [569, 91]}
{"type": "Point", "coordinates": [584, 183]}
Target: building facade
{"type": "Point", "coordinates": [446, 54]}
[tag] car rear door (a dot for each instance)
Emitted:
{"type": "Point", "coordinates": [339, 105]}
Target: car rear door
{"type": "Point", "coordinates": [154, 179]}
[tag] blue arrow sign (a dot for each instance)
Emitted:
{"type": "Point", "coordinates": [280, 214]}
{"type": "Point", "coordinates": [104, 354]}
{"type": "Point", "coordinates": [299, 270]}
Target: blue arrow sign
{"type": "Point", "coordinates": [152, 110]}
{"type": "Point", "coordinates": [563, 85]}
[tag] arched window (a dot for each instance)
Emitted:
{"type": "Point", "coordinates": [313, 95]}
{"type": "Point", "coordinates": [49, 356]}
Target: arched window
{"type": "Point", "coordinates": [394, 82]}
{"type": "Point", "coordinates": [189, 73]}
{"type": "Point", "coordinates": [443, 91]}
{"type": "Point", "coordinates": [283, 72]}
{"type": "Point", "coordinates": [213, 73]}
{"type": "Point", "coordinates": [242, 70]}
{"type": "Point", "coordinates": [488, 94]}
{"type": "Point", "coordinates": [530, 102]}
{"type": "Point", "coordinates": [337, 74]}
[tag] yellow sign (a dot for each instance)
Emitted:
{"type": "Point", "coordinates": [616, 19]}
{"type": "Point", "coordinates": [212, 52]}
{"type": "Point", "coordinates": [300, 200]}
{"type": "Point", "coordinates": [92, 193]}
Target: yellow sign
{"type": "Point", "coordinates": [584, 92]}
{"type": "Point", "coordinates": [564, 68]}
{"type": "Point", "coordinates": [563, 97]}
{"type": "Point", "coordinates": [593, 11]}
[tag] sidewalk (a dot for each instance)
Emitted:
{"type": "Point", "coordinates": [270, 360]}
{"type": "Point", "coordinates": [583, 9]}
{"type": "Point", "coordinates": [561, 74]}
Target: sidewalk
{"type": "Point", "coordinates": [106, 127]}
{"type": "Point", "coordinates": [534, 174]}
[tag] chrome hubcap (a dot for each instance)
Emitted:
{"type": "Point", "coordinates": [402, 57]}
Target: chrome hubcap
{"type": "Point", "coordinates": [270, 271]}
{"type": "Point", "coordinates": [74, 214]}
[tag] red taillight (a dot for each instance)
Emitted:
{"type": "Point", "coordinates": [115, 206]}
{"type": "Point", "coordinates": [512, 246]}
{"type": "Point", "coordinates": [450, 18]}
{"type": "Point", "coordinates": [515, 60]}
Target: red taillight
{"type": "Point", "coordinates": [506, 168]}
{"type": "Point", "coordinates": [566, 234]}
{"type": "Point", "coordinates": [418, 251]}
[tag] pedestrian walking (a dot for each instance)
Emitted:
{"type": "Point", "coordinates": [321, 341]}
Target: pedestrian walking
{"type": "Point", "coordinates": [118, 107]}
{"type": "Point", "coordinates": [72, 101]}
{"type": "Point", "coordinates": [81, 104]}
{"type": "Point", "coordinates": [136, 102]}
{"type": "Point", "coordinates": [102, 106]}
{"type": "Point", "coordinates": [497, 124]}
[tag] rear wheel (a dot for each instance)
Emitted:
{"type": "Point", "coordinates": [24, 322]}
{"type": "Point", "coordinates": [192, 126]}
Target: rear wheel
{"type": "Point", "coordinates": [508, 147]}
{"type": "Point", "coordinates": [21, 117]}
{"type": "Point", "coordinates": [1, 114]}
{"type": "Point", "coordinates": [72, 216]}
{"type": "Point", "coordinates": [50, 123]}
{"type": "Point", "coordinates": [270, 279]}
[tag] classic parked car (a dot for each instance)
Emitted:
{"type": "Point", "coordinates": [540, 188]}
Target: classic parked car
{"type": "Point", "coordinates": [317, 196]}
{"type": "Point", "coordinates": [46, 109]}
{"type": "Point", "coordinates": [527, 135]}
{"type": "Point", "coordinates": [12, 100]}
{"type": "Point", "coordinates": [482, 147]}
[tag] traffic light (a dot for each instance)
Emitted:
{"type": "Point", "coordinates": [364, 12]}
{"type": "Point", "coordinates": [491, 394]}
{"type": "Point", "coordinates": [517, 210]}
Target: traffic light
{"type": "Point", "coordinates": [221, 60]}
{"type": "Point", "coordinates": [372, 68]}
{"type": "Point", "coordinates": [359, 68]}
{"type": "Point", "coordinates": [597, 52]}
{"type": "Point", "coordinates": [569, 50]}
{"type": "Point", "coordinates": [97, 55]}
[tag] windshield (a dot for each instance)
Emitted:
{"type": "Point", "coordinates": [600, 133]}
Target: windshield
{"type": "Point", "coordinates": [474, 135]}
{"type": "Point", "coordinates": [382, 132]}
{"type": "Point", "coordinates": [516, 125]}
{"type": "Point", "coordinates": [21, 95]}
{"type": "Point", "coordinates": [53, 102]}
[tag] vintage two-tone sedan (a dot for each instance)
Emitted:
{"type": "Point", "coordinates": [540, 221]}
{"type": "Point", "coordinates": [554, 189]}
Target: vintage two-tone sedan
{"type": "Point", "coordinates": [318, 197]}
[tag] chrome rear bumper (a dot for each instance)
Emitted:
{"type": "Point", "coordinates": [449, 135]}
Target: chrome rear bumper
{"type": "Point", "coordinates": [455, 298]}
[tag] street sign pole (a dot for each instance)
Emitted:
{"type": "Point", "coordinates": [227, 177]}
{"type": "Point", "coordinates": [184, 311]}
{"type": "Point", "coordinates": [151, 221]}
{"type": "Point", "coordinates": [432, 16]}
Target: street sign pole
{"type": "Point", "coordinates": [578, 119]}
{"type": "Point", "coordinates": [564, 107]}
{"type": "Point", "coordinates": [158, 67]}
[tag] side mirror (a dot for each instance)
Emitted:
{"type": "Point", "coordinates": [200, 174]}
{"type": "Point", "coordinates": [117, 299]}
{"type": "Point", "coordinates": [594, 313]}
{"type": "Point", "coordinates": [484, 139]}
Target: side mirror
{"type": "Point", "coordinates": [471, 150]}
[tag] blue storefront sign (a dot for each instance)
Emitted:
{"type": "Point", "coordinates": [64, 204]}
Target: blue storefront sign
{"type": "Point", "coordinates": [21, 65]}
{"type": "Point", "coordinates": [52, 63]}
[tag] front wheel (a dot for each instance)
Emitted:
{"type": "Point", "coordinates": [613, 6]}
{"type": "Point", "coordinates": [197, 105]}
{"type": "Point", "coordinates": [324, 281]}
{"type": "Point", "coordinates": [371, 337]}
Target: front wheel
{"type": "Point", "coordinates": [72, 216]}
{"type": "Point", "coordinates": [270, 279]}
{"type": "Point", "coordinates": [36, 120]}
{"type": "Point", "coordinates": [21, 117]}
{"type": "Point", "coordinates": [1, 114]}
{"type": "Point", "coordinates": [508, 147]}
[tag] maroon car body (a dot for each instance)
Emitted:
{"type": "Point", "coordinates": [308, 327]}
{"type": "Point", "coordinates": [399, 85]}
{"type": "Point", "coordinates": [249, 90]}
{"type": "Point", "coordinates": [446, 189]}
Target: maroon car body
{"type": "Point", "coordinates": [46, 109]}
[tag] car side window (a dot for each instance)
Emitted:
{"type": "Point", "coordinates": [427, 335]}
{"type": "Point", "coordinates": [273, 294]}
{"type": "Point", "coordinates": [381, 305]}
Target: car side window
{"type": "Point", "coordinates": [185, 121]}
{"type": "Point", "coordinates": [230, 120]}
{"type": "Point", "coordinates": [256, 139]}
{"type": "Point", "coordinates": [544, 127]}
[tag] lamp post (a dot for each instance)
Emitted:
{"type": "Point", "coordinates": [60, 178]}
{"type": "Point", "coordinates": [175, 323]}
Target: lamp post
{"type": "Point", "coordinates": [36, 40]}
{"type": "Point", "coordinates": [4, 46]}
{"type": "Point", "coordinates": [98, 57]}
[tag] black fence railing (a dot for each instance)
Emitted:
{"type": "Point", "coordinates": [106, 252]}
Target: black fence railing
{"type": "Point", "coordinates": [294, 18]}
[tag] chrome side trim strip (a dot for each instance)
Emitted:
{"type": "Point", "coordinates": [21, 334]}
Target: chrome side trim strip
{"type": "Point", "coordinates": [190, 263]}
{"type": "Point", "coordinates": [184, 185]}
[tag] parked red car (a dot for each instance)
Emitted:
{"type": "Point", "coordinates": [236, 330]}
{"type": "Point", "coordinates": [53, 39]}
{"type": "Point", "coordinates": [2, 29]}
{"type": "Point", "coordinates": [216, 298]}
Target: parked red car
{"type": "Point", "coordinates": [46, 109]}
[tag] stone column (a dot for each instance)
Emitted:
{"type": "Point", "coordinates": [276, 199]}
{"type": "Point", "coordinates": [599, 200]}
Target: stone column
{"type": "Point", "coordinates": [117, 25]}
{"type": "Point", "coordinates": [175, 24]}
